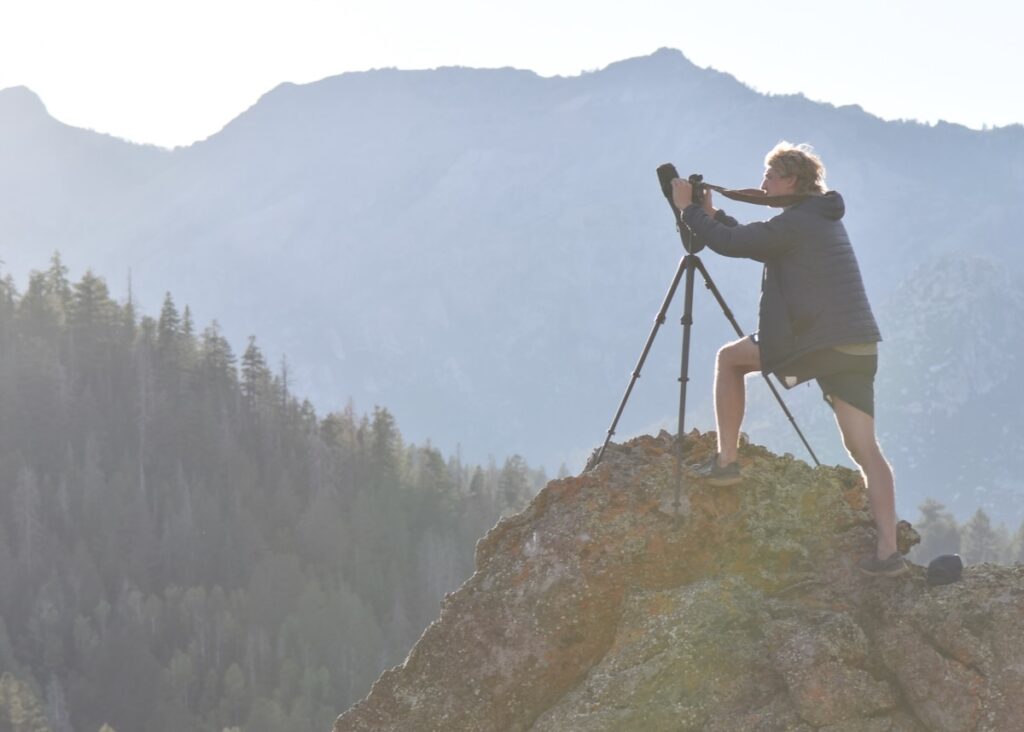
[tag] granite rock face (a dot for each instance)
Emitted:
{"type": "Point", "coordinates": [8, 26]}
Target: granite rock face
{"type": "Point", "coordinates": [604, 607]}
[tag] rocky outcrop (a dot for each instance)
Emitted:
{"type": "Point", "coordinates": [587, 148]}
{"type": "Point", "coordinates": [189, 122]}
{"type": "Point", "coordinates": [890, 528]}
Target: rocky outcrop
{"type": "Point", "coordinates": [602, 607]}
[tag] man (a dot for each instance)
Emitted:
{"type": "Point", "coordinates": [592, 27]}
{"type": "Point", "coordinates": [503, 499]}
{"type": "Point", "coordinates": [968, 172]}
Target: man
{"type": "Point", "coordinates": [814, 322]}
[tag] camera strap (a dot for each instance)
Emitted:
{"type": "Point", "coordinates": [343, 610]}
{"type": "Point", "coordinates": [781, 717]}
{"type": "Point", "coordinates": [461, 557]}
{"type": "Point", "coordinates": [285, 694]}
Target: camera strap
{"type": "Point", "coordinates": [757, 196]}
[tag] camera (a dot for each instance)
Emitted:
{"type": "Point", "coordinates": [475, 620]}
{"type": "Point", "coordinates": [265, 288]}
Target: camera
{"type": "Point", "coordinates": [668, 173]}
{"type": "Point", "coordinates": [697, 182]}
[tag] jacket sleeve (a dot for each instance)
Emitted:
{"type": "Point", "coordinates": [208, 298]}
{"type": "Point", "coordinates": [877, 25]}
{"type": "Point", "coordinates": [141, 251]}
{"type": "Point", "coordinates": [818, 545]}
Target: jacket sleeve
{"type": "Point", "coordinates": [761, 241]}
{"type": "Point", "coordinates": [723, 218]}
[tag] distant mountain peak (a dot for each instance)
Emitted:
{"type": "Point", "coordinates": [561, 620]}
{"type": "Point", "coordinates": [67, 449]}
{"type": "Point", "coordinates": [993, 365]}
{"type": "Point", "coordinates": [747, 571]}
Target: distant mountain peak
{"type": "Point", "coordinates": [20, 100]}
{"type": "Point", "coordinates": [664, 60]}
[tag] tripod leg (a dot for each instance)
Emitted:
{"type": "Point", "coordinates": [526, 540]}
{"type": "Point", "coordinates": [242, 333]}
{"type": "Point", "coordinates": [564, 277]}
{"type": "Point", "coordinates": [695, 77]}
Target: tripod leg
{"type": "Point", "coordinates": [691, 262]}
{"type": "Point", "coordinates": [687, 321]}
{"type": "Point", "coordinates": [709, 283]}
{"type": "Point", "coordinates": [643, 356]}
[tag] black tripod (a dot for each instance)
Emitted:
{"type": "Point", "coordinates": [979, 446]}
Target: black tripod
{"type": "Point", "coordinates": [689, 264]}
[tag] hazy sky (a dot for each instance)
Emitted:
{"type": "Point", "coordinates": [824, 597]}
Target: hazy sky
{"type": "Point", "coordinates": [172, 73]}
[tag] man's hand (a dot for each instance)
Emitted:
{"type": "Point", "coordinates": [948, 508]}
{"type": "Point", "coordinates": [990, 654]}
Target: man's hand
{"type": "Point", "coordinates": [711, 210]}
{"type": "Point", "coordinates": [682, 196]}
{"type": "Point", "coordinates": [682, 193]}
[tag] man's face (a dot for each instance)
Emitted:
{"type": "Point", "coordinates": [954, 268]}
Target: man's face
{"type": "Point", "coordinates": [775, 184]}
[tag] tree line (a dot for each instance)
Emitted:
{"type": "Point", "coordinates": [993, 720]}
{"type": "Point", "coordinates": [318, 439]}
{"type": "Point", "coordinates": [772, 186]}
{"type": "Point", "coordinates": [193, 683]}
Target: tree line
{"type": "Point", "coordinates": [977, 540]}
{"type": "Point", "coordinates": [185, 544]}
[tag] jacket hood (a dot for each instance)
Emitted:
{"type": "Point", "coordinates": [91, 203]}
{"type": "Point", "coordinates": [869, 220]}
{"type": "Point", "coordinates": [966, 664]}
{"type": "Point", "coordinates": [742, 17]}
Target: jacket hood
{"type": "Point", "coordinates": [830, 205]}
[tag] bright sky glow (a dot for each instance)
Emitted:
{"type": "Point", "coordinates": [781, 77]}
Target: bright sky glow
{"type": "Point", "coordinates": [172, 73]}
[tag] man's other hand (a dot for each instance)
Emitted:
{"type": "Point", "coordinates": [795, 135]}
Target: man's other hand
{"type": "Point", "coordinates": [708, 206]}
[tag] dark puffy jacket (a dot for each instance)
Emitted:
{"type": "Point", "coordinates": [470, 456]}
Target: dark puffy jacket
{"type": "Point", "coordinates": [812, 294]}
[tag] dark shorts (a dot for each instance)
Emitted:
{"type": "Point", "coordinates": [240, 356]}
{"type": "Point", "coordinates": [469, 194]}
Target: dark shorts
{"type": "Point", "coordinates": [842, 375]}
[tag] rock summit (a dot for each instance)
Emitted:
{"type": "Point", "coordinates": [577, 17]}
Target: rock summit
{"type": "Point", "coordinates": [604, 607]}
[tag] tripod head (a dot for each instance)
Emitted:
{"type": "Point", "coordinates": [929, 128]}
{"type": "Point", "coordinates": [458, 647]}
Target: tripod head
{"type": "Point", "coordinates": [666, 174]}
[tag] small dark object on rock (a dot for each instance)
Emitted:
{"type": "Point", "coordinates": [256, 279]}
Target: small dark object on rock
{"type": "Point", "coordinates": [945, 570]}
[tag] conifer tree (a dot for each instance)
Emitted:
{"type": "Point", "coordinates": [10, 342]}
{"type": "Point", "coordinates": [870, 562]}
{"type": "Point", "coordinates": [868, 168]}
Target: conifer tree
{"type": "Point", "coordinates": [217, 359]}
{"type": "Point", "coordinates": [255, 376]}
{"type": "Point", "coordinates": [58, 285]}
{"type": "Point", "coordinates": [169, 347]}
{"type": "Point", "coordinates": [1015, 549]}
{"type": "Point", "coordinates": [39, 312]}
{"type": "Point", "coordinates": [91, 307]}
{"type": "Point", "coordinates": [8, 308]}
{"type": "Point", "coordinates": [979, 540]}
{"type": "Point", "coordinates": [385, 446]}
{"type": "Point", "coordinates": [476, 484]}
{"type": "Point", "coordinates": [513, 484]}
{"type": "Point", "coordinates": [939, 532]}
{"type": "Point", "coordinates": [187, 326]}
{"type": "Point", "coordinates": [92, 318]}
{"type": "Point", "coordinates": [127, 320]}
{"type": "Point", "coordinates": [169, 325]}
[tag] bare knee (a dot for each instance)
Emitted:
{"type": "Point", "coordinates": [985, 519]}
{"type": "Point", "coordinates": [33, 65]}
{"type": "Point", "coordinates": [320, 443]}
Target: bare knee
{"type": "Point", "coordinates": [858, 432]}
{"type": "Point", "coordinates": [741, 356]}
{"type": "Point", "coordinates": [723, 360]}
{"type": "Point", "coordinates": [865, 453]}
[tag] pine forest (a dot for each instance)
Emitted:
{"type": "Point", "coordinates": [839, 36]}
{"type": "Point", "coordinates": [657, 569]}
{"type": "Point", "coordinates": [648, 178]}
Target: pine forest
{"type": "Point", "coordinates": [186, 545]}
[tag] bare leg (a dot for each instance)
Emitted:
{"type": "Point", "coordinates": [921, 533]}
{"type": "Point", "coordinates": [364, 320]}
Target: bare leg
{"type": "Point", "coordinates": [858, 430]}
{"type": "Point", "coordinates": [735, 360]}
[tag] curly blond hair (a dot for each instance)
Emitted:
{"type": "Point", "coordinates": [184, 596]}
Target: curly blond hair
{"type": "Point", "coordinates": [788, 159]}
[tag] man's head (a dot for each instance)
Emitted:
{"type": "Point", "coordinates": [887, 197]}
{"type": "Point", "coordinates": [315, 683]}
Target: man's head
{"type": "Point", "coordinates": [792, 169]}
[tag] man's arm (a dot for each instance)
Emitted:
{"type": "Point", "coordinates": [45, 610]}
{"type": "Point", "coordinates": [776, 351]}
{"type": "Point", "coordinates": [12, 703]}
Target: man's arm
{"type": "Point", "coordinates": [723, 218]}
{"type": "Point", "coordinates": [761, 241]}
{"type": "Point", "coordinates": [717, 214]}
